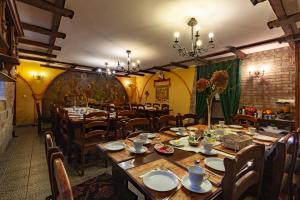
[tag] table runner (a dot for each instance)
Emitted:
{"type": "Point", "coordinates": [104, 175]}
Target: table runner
{"type": "Point", "coordinates": [182, 193]}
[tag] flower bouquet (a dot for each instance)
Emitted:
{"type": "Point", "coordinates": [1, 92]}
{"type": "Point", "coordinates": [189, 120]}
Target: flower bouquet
{"type": "Point", "coordinates": [217, 84]}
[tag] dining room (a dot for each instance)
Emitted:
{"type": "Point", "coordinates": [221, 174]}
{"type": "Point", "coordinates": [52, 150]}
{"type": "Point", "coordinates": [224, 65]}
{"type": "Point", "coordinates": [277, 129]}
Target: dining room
{"type": "Point", "coordinates": [149, 99]}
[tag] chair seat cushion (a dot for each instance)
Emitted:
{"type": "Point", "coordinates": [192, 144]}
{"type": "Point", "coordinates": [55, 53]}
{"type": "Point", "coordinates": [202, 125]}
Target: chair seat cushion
{"type": "Point", "coordinates": [100, 188]}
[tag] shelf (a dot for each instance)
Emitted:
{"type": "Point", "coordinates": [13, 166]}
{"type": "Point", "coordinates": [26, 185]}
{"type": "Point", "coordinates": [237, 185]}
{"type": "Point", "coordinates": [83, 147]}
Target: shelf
{"type": "Point", "coordinates": [4, 77]}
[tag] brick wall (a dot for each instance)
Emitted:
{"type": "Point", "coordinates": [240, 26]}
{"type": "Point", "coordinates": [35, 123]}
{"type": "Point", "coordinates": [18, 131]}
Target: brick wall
{"type": "Point", "coordinates": [6, 113]}
{"type": "Point", "coordinates": [278, 81]}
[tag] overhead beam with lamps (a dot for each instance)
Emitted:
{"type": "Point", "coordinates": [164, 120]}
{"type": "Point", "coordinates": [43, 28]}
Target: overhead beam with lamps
{"type": "Point", "coordinates": [147, 71]}
{"type": "Point", "coordinates": [45, 5]}
{"type": "Point", "coordinates": [179, 65]}
{"type": "Point", "coordinates": [38, 44]}
{"type": "Point", "coordinates": [160, 69]}
{"type": "Point", "coordinates": [289, 20]}
{"type": "Point", "coordinates": [42, 30]}
{"type": "Point", "coordinates": [239, 53]}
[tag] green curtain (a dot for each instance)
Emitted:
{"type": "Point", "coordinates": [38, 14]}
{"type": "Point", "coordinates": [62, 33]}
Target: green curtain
{"type": "Point", "coordinates": [230, 97]}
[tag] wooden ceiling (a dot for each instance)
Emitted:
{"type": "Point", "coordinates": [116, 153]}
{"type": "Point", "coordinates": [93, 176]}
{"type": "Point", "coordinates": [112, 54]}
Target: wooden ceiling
{"type": "Point", "coordinates": [45, 52]}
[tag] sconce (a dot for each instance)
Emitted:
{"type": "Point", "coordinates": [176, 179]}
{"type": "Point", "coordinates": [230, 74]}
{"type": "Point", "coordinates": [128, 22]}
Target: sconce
{"type": "Point", "coordinates": [256, 73]}
{"type": "Point", "coordinates": [38, 76]}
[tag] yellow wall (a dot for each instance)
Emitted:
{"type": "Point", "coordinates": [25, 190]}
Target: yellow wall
{"type": "Point", "coordinates": [180, 91]}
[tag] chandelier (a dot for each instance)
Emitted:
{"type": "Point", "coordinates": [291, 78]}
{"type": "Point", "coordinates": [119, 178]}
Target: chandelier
{"type": "Point", "coordinates": [197, 47]}
{"type": "Point", "coordinates": [108, 72]}
{"type": "Point", "coordinates": [130, 66]}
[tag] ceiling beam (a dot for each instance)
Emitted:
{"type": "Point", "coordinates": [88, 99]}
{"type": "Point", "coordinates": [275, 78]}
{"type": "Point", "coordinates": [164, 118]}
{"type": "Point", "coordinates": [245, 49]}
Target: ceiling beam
{"type": "Point", "coordinates": [38, 44]}
{"type": "Point", "coordinates": [254, 2]}
{"type": "Point", "coordinates": [134, 73]}
{"type": "Point", "coordinates": [42, 30]}
{"type": "Point", "coordinates": [279, 11]}
{"type": "Point", "coordinates": [45, 5]}
{"type": "Point", "coordinates": [55, 24]}
{"type": "Point", "coordinates": [38, 53]}
{"type": "Point", "coordinates": [179, 65]}
{"type": "Point", "coordinates": [239, 53]}
{"type": "Point", "coordinates": [161, 68]}
{"type": "Point", "coordinates": [146, 71]}
{"type": "Point", "coordinates": [289, 20]}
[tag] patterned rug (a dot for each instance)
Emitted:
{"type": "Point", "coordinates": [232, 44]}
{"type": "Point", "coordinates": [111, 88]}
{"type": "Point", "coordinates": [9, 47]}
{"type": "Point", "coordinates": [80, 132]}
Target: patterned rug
{"type": "Point", "coordinates": [100, 188]}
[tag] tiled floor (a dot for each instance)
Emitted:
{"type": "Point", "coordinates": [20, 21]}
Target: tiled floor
{"type": "Point", "coordinates": [23, 168]}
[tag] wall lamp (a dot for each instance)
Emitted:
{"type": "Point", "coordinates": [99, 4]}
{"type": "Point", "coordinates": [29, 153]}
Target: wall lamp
{"type": "Point", "coordinates": [257, 72]}
{"type": "Point", "coordinates": [38, 76]}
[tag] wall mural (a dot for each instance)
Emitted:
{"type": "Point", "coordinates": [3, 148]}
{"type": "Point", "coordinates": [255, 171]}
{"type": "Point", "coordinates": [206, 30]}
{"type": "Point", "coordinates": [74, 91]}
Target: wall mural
{"type": "Point", "coordinates": [72, 88]}
{"type": "Point", "coordinates": [162, 86]}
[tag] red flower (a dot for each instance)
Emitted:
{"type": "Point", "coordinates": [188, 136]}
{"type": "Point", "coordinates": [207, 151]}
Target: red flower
{"type": "Point", "coordinates": [202, 84]}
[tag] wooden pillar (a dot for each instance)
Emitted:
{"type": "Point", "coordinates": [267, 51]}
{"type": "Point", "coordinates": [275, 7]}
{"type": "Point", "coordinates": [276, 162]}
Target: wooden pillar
{"type": "Point", "coordinates": [297, 84]}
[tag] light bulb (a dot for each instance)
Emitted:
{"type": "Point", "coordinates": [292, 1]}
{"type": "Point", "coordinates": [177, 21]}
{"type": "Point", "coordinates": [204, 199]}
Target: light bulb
{"type": "Point", "coordinates": [114, 72]}
{"type": "Point", "coordinates": [99, 70]}
{"type": "Point", "coordinates": [199, 43]}
{"type": "Point", "coordinates": [109, 72]}
{"type": "Point", "coordinates": [211, 35]}
{"type": "Point", "coordinates": [197, 28]}
{"type": "Point", "coordinates": [122, 64]}
{"type": "Point", "coordinates": [176, 34]}
{"type": "Point", "coordinates": [138, 61]}
{"type": "Point", "coordinates": [133, 64]}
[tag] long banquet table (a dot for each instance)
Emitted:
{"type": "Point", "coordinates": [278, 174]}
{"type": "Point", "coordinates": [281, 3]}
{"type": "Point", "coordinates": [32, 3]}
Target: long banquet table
{"type": "Point", "coordinates": [129, 167]}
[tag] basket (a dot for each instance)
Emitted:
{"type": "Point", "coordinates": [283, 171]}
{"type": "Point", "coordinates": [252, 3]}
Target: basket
{"type": "Point", "coordinates": [236, 142]}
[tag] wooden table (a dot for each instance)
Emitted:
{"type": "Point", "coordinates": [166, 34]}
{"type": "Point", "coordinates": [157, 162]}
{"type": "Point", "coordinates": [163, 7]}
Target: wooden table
{"type": "Point", "coordinates": [129, 167]}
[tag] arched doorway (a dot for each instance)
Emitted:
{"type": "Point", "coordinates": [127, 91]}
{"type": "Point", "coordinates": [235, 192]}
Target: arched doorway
{"type": "Point", "coordinates": [25, 112]}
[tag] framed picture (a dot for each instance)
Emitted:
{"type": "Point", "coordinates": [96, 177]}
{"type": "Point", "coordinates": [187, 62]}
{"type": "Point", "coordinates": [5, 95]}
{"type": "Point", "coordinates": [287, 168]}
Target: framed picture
{"type": "Point", "coordinates": [162, 89]}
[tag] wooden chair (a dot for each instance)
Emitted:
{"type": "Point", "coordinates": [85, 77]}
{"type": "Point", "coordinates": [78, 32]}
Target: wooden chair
{"type": "Point", "coordinates": [42, 120]}
{"type": "Point", "coordinates": [135, 126]}
{"type": "Point", "coordinates": [245, 120]}
{"type": "Point", "coordinates": [243, 174]}
{"type": "Point", "coordinates": [140, 107]}
{"type": "Point", "coordinates": [63, 134]}
{"type": "Point", "coordinates": [188, 120]}
{"type": "Point", "coordinates": [165, 122]}
{"type": "Point", "coordinates": [148, 104]}
{"type": "Point", "coordinates": [93, 133]}
{"type": "Point", "coordinates": [291, 141]}
{"type": "Point", "coordinates": [156, 105]}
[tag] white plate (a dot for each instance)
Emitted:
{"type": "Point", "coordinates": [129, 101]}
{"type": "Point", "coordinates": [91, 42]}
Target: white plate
{"type": "Point", "coordinates": [236, 126]}
{"type": "Point", "coordinates": [215, 163]}
{"type": "Point", "coordinates": [209, 153]}
{"type": "Point", "coordinates": [175, 129]}
{"type": "Point", "coordinates": [160, 180]}
{"type": "Point", "coordinates": [179, 134]}
{"type": "Point", "coordinates": [180, 143]}
{"type": "Point", "coordinates": [115, 146]}
{"type": "Point", "coordinates": [148, 141]}
{"type": "Point", "coordinates": [203, 188]}
{"type": "Point", "coordinates": [192, 128]}
{"type": "Point", "coordinates": [264, 138]}
{"type": "Point", "coordinates": [152, 135]}
{"type": "Point", "coordinates": [142, 150]}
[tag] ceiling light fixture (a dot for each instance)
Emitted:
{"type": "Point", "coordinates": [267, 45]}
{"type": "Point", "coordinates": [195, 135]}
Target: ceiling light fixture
{"type": "Point", "coordinates": [131, 66]}
{"type": "Point", "coordinates": [196, 48]}
{"type": "Point", "coordinates": [108, 71]}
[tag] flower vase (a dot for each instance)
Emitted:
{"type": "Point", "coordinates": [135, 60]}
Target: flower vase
{"type": "Point", "coordinates": [209, 104]}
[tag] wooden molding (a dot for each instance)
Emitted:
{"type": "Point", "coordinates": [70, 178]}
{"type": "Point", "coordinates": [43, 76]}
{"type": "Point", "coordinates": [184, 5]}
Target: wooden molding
{"type": "Point", "coordinates": [254, 2]}
{"type": "Point", "coordinates": [38, 53]}
{"type": "Point", "coordinates": [135, 73]}
{"type": "Point", "coordinates": [147, 71]}
{"type": "Point", "coordinates": [297, 84]}
{"type": "Point", "coordinates": [39, 44]}
{"type": "Point", "coordinates": [45, 5]}
{"type": "Point", "coordinates": [9, 59]}
{"type": "Point", "coordinates": [15, 17]}
{"type": "Point", "coordinates": [289, 20]}
{"type": "Point", "coordinates": [239, 54]}
{"type": "Point", "coordinates": [4, 77]}
{"type": "Point", "coordinates": [42, 30]}
{"type": "Point", "coordinates": [179, 65]}
{"type": "Point", "coordinates": [161, 68]}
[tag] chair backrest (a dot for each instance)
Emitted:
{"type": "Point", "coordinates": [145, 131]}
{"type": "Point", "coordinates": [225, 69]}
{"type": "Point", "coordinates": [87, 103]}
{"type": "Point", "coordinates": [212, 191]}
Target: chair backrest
{"type": "Point", "coordinates": [49, 150]}
{"type": "Point", "coordinates": [244, 172]}
{"type": "Point", "coordinates": [291, 141]}
{"type": "Point", "coordinates": [98, 114]}
{"type": "Point", "coordinates": [245, 120]}
{"type": "Point", "coordinates": [156, 105]}
{"type": "Point", "coordinates": [273, 172]}
{"type": "Point", "coordinates": [148, 104]}
{"type": "Point", "coordinates": [167, 121]}
{"type": "Point", "coordinates": [165, 106]}
{"type": "Point", "coordinates": [192, 119]}
{"type": "Point", "coordinates": [126, 113]}
{"type": "Point", "coordinates": [61, 183]}
{"type": "Point", "coordinates": [140, 107]}
{"type": "Point", "coordinates": [132, 125]}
